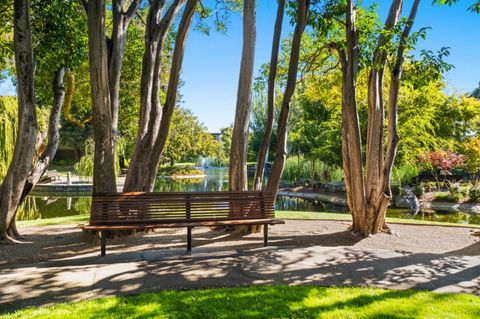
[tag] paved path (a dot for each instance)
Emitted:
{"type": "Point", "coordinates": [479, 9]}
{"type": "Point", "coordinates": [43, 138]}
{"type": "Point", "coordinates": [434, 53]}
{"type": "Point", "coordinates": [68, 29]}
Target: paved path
{"type": "Point", "coordinates": [134, 272]}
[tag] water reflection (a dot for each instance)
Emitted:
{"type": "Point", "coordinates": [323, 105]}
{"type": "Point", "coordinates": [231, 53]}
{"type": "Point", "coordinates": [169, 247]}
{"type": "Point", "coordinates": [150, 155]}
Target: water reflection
{"type": "Point", "coordinates": [41, 207]}
{"type": "Point", "coordinates": [216, 179]}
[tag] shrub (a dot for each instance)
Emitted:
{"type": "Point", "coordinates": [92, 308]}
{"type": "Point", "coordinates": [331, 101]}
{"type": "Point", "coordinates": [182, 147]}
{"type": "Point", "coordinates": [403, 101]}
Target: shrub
{"type": "Point", "coordinates": [474, 194]}
{"type": "Point", "coordinates": [299, 168]}
{"type": "Point", "coordinates": [419, 190]}
{"type": "Point", "coordinates": [179, 171]}
{"type": "Point", "coordinates": [471, 148]}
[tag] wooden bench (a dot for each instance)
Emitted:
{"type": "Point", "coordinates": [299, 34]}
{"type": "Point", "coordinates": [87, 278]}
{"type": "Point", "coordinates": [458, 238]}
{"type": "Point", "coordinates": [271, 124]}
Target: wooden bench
{"type": "Point", "coordinates": [134, 211]}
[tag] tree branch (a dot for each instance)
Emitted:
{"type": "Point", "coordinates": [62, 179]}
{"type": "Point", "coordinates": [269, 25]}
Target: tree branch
{"type": "Point", "coordinates": [132, 10]}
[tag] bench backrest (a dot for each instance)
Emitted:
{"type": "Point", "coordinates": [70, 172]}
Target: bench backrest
{"type": "Point", "coordinates": [145, 208]}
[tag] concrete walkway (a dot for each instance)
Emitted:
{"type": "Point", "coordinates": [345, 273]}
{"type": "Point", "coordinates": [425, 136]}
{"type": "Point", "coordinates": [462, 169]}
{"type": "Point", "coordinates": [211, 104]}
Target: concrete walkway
{"type": "Point", "coordinates": [80, 278]}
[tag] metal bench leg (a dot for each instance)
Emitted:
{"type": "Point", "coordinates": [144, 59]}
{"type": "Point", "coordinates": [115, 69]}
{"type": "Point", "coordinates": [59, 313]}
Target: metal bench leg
{"type": "Point", "coordinates": [189, 238]}
{"type": "Point", "coordinates": [103, 243]}
{"type": "Point", "coordinates": [265, 235]}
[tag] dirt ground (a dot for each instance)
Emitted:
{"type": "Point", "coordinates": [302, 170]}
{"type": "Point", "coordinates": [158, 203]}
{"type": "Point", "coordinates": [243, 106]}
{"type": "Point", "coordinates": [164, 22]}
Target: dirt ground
{"type": "Point", "coordinates": [44, 243]}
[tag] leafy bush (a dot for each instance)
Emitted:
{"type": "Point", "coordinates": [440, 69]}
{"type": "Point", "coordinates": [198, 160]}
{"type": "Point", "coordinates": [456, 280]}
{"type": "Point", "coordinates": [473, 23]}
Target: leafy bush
{"type": "Point", "coordinates": [179, 171]}
{"type": "Point", "coordinates": [446, 197]}
{"type": "Point", "coordinates": [84, 167]}
{"type": "Point", "coordinates": [442, 163]}
{"type": "Point", "coordinates": [419, 190]}
{"type": "Point", "coordinates": [474, 194]}
{"type": "Point", "coordinates": [471, 148]}
{"type": "Point", "coordinates": [299, 168]}
{"type": "Point", "coordinates": [404, 174]}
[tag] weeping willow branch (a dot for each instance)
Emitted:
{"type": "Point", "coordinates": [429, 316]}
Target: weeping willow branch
{"type": "Point", "coordinates": [67, 106]}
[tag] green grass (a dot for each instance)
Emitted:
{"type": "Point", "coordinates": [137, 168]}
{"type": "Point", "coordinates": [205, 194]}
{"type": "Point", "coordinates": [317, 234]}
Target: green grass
{"type": "Point", "coordinates": [278, 214]}
{"type": "Point", "coordinates": [347, 217]}
{"type": "Point", "coordinates": [55, 221]}
{"type": "Point", "coordinates": [269, 302]}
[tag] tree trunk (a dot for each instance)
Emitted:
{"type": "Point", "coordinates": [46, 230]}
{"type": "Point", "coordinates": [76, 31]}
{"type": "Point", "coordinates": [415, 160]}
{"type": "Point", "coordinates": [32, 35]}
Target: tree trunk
{"type": "Point", "coordinates": [104, 158]}
{"type": "Point", "coordinates": [172, 92]}
{"type": "Point", "coordinates": [369, 195]}
{"type": "Point", "coordinates": [116, 50]}
{"type": "Point", "coordinates": [265, 144]}
{"type": "Point", "coordinates": [41, 165]}
{"type": "Point", "coordinates": [282, 133]}
{"type": "Point", "coordinates": [150, 107]}
{"type": "Point", "coordinates": [21, 163]}
{"type": "Point", "coordinates": [238, 149]}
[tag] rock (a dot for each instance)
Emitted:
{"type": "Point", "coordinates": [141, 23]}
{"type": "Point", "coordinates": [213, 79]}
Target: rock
{"type": "Point", "coordinates": [407, 199]}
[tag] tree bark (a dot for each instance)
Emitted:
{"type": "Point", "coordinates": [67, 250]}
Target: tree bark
{"type": "Point", "coordinates": [376, 197]}
{"type": "Point", "coordinates": [150, 107]}
{"type": "Point", "coordinates": [41, 165]}
{"type": "Point", "coordinates": [21, 163]}
{"type": "Point", "coordinates": [282, 133]}
{"type": "Point", "coordinates": [351, 137]}
{"type": "Point", "coordinates": [121, 21]}
{"type": "Point", "coordinates": [104, 157]}
{"type": "Point", "coordinates": [368, 195]}
{"type": "Point", "coordinates": [238, 149]}
{"type": "Point", "coordinates": [172, 92]}
{"type": "Point", "coordinates": [265, 144]}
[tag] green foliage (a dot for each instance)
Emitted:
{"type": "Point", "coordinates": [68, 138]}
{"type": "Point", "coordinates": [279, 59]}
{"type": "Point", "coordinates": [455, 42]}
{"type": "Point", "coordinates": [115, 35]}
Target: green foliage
{"type": "Point", "coordinates": [299, 168]}
{"type": "Point", "coordinates": [175, 171]}
{"type": "Point", "coordinates": [419, 190]}
{"type": "Point", "coordinates": [8, 129]}
{"type": "Point", "coordinates": [404, 174]}
{"type": "Point", "coordinates": [474, 194]}
{"type": "Point", "coordinates": [476, 92]}
{"type": "Point", "coordinates": [470, 147]}
{"type": "Point", "coordinates": [474, 7]}
{"type": "Point", "coordinates": [226, 138]}
{"type": "Point", "coordinates": [84, 168]}
{"type": "Point", "coordinates": [60, 40]}
{"type": "Point", "coordinates": [188, 139]}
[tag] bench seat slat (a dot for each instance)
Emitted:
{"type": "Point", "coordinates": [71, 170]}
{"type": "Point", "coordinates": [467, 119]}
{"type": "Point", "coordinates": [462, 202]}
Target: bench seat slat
{"type": "Point", "coordinates": [187, 224]}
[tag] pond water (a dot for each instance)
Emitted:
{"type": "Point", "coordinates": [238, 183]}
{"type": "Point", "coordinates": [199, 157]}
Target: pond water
{"type": "Point", "coordinates": [216, 179]}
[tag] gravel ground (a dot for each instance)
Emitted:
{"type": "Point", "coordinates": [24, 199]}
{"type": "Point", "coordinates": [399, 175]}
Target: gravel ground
{"type": "Point", "coordinates": [44, 243]}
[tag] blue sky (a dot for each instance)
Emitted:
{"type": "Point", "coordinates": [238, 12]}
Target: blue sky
{"type": "Point", "coordinates": [211, 63]}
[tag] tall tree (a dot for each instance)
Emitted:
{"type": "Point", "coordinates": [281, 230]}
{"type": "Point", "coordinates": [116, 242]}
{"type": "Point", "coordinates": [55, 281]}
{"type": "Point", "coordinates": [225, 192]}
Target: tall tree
{"type": "Point", "coordinates": [281, 151]}
{"type": "Point", "coordinates": [369, 194]}
{"type": "Point", "coordinates": [105, 69]}
{"type": "Point", "coordinates": [172, 92]}
{"type": "Point", "coordinates": [157, 29]}
{"type": "Point", "coordinates": [21, 163]}
{"type": "Point", "coordinates": [238, 148]}
{"type": "Point", "coordinates": [265, 144]}
{"type": "Point", "coordinates": [104, 158]}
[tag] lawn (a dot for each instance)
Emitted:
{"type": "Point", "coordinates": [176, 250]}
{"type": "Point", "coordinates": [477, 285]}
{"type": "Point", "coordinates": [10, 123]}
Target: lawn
{"type": "Point", "coordinates": [269, 302]}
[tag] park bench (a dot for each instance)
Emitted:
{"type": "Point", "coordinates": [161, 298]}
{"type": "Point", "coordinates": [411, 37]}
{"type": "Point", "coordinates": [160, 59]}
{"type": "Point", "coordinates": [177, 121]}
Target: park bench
{"type": "Point", "coordinates": [140, 211]}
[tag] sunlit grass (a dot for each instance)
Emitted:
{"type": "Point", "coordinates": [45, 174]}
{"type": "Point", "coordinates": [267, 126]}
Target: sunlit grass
{"type": "Point", "coordinates": [269, 302]}
{"type": "Point", "coordinates": [347, 217]}
{"type": "Point", "coordinates": [55, 221]}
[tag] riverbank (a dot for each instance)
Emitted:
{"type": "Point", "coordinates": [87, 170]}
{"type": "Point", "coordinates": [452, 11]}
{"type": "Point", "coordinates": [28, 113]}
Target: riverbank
{"type": "Point", "coordinates": [340, 200]}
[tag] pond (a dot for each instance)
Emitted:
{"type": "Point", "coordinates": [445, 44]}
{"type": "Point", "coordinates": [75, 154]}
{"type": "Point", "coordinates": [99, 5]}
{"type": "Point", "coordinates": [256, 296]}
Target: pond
{"type": "Point", "coordinates": [216, 179]}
